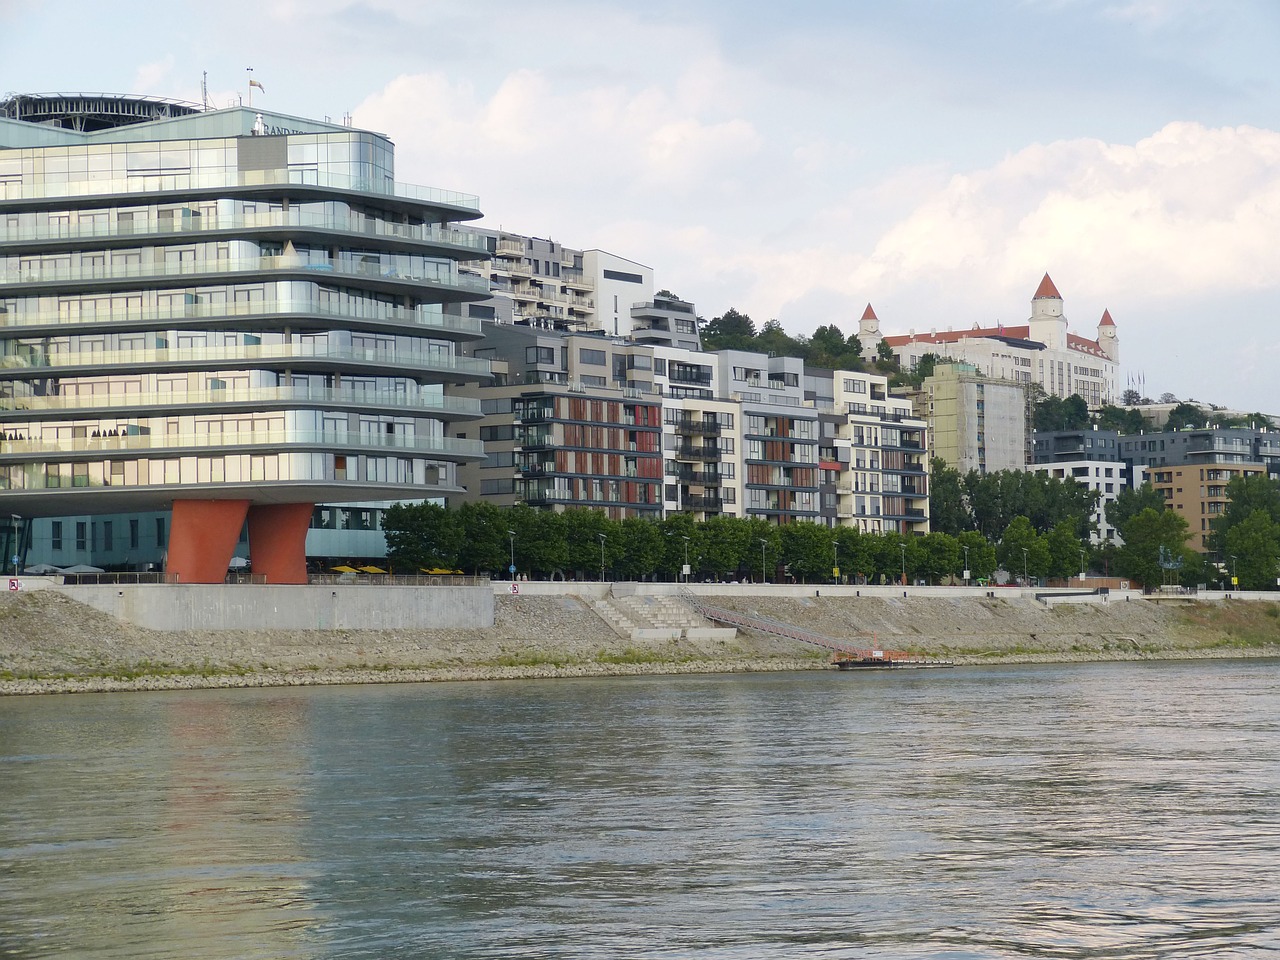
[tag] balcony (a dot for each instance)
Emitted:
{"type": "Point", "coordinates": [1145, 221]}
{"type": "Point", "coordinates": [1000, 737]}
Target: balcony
{"type": "Point", "coordinates": [703, 503]}
{"type": "Point", "coordinates": [703, 453]}
{"type": "Point", "coordinates": [692, 427]}
{"type": "Point", "coordinates": [687, 474]}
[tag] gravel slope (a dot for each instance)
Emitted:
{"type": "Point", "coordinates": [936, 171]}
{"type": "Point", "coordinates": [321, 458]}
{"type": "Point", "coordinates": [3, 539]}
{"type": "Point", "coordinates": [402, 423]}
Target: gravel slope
{"type": "Point", "coordinates": [51, 643]}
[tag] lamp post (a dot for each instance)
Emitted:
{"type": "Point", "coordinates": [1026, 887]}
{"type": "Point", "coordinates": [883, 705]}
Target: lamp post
{"type": "Point", "coordinates": [1081, 566]}
{"type": "Point", "coordinates": [686, 557]}
{"type": "Point", "coordinates": [763, 576]}
{"type": "Point", "coordinates": [835, 557]}
{"type": "Point", "coordinates": [1234, 581]}
{"type": "Point", "coordinates": [602, 540]}
{"type": "Point", "coordinates": [966, 565]}
{"type": "Point", "coordinates": [15, 518]}
{"type": "Point", "coordinates": [903, 548]}
{"type": "Point", "coordinates": [1024, 566]}
{"type": "Point", "coordinates": [512, 535]}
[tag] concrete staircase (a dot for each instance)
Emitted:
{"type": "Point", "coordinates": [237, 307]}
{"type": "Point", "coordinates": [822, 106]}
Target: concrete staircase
{"type": "Point", "coordinates": [658, 618]}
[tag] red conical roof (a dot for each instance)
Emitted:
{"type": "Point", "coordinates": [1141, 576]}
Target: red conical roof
{"type": "Point", "coordinates": [869, 314]}
{"type": "Point", "coordinates": [1046, 290]}
{"type": "Point", "coordinates": [1106, 320]}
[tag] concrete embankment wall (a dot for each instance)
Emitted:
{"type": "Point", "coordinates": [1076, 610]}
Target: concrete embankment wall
{"type": "Point", "coordinates": [182, 607]}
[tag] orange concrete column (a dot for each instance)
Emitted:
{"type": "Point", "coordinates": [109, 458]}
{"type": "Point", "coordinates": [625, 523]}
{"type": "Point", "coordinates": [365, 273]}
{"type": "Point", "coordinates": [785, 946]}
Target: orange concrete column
{"type": "Point", "coordinates": [278, 541]}
{"type": "Point", "coordinates": [203, 538]}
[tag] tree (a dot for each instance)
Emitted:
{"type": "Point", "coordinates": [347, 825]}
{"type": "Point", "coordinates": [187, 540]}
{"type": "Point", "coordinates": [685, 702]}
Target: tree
{"type": "Point", "coordinates": [981, 554]}
{"type": "Point", "coordinates": [1064, 550]}
{"type": "Point", "coordinates": [948, 508]}
{"type": "Point", "coordinates": [422, 536]}
{"type": "Point", "coordinates": [484, 543]}
{"type": "Point", "coordinates": [1057, 413]}
{"type": "Point", "coordinates": [643, 545]}
{"type": "Point", "coordinates": [1018, 537]}
{"type": "Point", "coordinates": [938, 556]}
{"type": "Point", "coordinates": [1253, 545]}
{"type": "Point", "coordinates": [1144, 534]}
{"type": "Point", "coordinates": [1245, 494]}
{"type": "Point", "coordinates": [806, 551]}
{"type": "Point", "coordinates": [1130, 398]}
{"type": "Point", "coordinates": [1130, 502]}
{"type": "Point", "coordinates": [730, 331]}
{"type": "Point", "coordinates": [1115, 418]}
{"type": "Point", "coordinates": [540, 542]}
{"type": "Point", "coordinates": [1186, 415]}
{"type": "Point", "coordinates": [773, 340]}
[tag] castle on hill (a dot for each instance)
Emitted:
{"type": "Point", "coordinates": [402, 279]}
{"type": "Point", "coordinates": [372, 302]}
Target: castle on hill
{"type": "Point", "coordinates": [1042, 351]}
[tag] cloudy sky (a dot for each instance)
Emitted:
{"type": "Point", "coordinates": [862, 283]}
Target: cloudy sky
{"type": "Point", "coordinates": [932, 157]}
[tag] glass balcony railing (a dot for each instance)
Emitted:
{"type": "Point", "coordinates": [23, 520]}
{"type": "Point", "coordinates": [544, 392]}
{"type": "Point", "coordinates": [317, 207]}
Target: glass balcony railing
{"type": "Point", "coordinates": [203, 181]}
{"type": "Point", "coordinates": [241, 357]}
{"type": "Point", "coordinates": [428, 405]}
{"type": "Point", "coordinates": [444, 448]}
{"type": "Point", "coordinates": [275, 220]}
{"type": "Point", "coordinates": [441, 274]}
{"type": "Point", "coordinates": [427, 318]}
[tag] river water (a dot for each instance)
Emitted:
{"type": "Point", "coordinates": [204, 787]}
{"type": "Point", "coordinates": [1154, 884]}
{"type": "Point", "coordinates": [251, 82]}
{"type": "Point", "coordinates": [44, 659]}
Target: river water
{"type": "Point", "coordinates": [1101, 810]}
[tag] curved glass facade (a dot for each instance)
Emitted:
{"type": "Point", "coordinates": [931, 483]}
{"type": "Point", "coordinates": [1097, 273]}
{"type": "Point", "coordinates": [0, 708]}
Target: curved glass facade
{"type": "Point", "coordinates": [264, 317]}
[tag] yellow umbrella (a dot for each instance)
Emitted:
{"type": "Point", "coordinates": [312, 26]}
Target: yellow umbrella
{"type": "Point", "coordinates": [372, 570]}
{"type": "Point", "coordinates": [344, 569]}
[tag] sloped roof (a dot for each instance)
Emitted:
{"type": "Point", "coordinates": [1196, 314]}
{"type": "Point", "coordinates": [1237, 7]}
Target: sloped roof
{"type": "Point", "coordinates": [869, 314]}
{"type": "Point", "coordinates": [1106, 320]}
{"type": "Point", "coordinates": [1046, 290]}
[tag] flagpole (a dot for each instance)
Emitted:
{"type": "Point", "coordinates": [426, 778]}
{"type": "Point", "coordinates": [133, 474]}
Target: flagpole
{"type": "Point", "coordinates": [250, 70]}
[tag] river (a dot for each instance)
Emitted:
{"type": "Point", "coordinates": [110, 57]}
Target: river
{"type": "Point", "coordinates": [1097, 810]}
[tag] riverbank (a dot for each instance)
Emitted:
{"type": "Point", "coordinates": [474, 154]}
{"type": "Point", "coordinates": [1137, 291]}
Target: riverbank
{"type": "Point", "coordinates": [50, 643]}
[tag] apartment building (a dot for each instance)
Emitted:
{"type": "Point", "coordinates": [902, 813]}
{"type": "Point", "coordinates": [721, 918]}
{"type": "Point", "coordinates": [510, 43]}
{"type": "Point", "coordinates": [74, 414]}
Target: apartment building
{"type": "Point", "coordinates": [217, 320]}
{"type": "Point", "coordinates": [1191, 468]}
{"type": "Point", "coordinates": [1094, 459]}
{"type": "Point", "coordinates": [976, 423]}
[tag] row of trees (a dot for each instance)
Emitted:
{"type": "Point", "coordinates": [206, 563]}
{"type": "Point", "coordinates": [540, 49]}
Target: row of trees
{"type": "Point", "coordinates": [580, 543]}
{"type": "Point", "coordinates": [480, 537]}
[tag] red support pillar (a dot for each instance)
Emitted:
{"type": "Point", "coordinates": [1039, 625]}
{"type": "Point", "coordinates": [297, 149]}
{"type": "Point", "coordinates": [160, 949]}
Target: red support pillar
{"type": "Point", "coordinates": [278, 541]}
{"type": "Point", "coordinates": [203, 538]}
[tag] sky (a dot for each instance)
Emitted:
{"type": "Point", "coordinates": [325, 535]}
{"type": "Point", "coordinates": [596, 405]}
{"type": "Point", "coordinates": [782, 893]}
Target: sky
{"type": "Point", "coordinates": [934, 158]}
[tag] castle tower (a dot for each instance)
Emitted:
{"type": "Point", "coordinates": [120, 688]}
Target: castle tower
{"type": "Point", "coordinates": [869, 332]}
{"type": "Point", "coordinates": [1108, 341]}
{"type": "Point", "coordinates": [1047, 324]}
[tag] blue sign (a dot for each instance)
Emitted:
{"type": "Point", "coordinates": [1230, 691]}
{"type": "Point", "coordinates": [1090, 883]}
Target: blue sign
{"type": "Point", "coordinates": [510, 569]}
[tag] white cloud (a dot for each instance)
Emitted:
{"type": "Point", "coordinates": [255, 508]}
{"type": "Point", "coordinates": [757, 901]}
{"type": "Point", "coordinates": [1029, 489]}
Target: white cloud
{"type": "Point", "coordinates": [1186, 212]}
{"type": "Point", "coordinates": [152, 77]}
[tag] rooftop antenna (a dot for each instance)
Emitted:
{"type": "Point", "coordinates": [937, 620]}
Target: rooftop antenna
{"type": "Point", "coordinates": [204, 89]}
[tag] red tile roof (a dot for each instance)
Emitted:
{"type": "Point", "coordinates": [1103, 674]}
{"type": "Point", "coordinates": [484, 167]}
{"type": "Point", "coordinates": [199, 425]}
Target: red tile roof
{"type": "Point", "coordinates": [1106, 320]}
{"type": "Point", "coordinates": [1023, 332]}
{"type": "Point", "coordinates": [1046, 289]}
{"type": "Point", "coordinates": [869, 314]}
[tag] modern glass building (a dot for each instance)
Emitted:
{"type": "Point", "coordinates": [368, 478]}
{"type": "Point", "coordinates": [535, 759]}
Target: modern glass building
{"type": "Point", "coordinates": [227, 316]}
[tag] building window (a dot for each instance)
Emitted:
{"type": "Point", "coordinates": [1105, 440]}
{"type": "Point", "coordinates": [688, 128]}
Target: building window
{"type": "Point", "coordinates": [161, 539]}
{"type": "Point", "coordinates": [82, 535]}
{"type": "Point", "coordinates": [592, 358]}
{"type": "Point", "coordinates": [133, 534]}
{"type": "Point", "coordinates": [55, 535]}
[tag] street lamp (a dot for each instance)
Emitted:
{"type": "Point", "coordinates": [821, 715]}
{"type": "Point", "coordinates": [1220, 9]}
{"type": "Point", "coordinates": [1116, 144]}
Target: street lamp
{"type": "Point", "coordinates": [1081, 566]}
{"type": "Point", "coordinates": [1234, 581]}
{"type": "Point", "coordinates": [763, 576]}
{"type": "Point", "coordinates": [602, 540]}
{"type": "Point", "coordinates": [1024, 566]}
{"type": "Point", "coordinates": [15, 518]}
{"type": "Point", "coordinates": [512, 535]}
{"type": "Point", "coordinates": [966, 566]}
{"type": "Point", "coordinates": [903, 548]}
{"type": "Point", "coordinates": [835, 566]}
{"type": "Point", "coordinates": [686, 557]}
